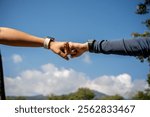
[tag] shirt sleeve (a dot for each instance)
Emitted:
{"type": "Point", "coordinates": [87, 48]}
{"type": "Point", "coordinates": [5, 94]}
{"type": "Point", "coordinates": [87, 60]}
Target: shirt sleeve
{"type": "Point", "coordinates": [132, 47]}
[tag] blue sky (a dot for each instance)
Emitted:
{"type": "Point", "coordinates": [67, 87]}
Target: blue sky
{"type": "Point", "coordinates": [77, 21]}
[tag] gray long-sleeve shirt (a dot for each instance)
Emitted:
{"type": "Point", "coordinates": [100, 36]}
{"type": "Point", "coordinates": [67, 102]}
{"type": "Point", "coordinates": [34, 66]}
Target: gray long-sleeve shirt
{"type": "Point", "coordinates": [132, 47]}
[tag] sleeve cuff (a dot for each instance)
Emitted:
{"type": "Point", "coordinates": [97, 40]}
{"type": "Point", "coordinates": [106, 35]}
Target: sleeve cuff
{"type": "Point", "coordinates": [90, 45]}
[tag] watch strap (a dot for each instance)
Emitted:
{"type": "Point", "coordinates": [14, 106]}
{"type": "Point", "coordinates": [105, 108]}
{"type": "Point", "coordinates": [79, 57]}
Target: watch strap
{"type": "Point", "coordinates": [90, 45]}
{"type": "Point", "coordinates": [47, 42]}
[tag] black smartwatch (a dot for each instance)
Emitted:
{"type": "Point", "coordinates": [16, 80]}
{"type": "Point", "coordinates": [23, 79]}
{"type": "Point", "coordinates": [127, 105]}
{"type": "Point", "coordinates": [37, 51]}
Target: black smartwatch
{"type": "Point", "coordinates": [90, 45]}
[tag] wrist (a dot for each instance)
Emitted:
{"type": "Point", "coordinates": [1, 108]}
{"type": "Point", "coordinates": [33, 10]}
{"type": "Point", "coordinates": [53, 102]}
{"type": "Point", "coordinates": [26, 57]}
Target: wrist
{"type": "Point", "coordinates": [86, 47]}
{"type": "Point", "coordinates": [48, 42]}
{"type": "Point", "coordinates": [51, 43]}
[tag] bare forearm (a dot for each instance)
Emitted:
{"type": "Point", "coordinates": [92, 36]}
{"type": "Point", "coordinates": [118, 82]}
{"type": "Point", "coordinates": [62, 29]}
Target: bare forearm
{"type": "Point", "coordinates": [13, 37]}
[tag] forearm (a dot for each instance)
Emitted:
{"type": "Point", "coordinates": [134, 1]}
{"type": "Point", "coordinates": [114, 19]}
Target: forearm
{"type": "Point", "coordinates": [133, 47]}
{"type": "Point", "coordinates": [14, 37]}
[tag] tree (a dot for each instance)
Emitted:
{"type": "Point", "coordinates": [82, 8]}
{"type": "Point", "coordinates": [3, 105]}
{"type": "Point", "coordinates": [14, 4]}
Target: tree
{"type": "Point", "coordinates": [80, 94]}
{"type": "Point", "coordinates": [54, 97]}
{"type": "Point", "coordinates": [16, 98]}
{"type": "Point", "coordinates": [136, 35]}
{"type": "Point", "coordinates": [114, 97]}
{"type": "Point", "coordinates": [142, 8]}
{"type": "Point", "coordinates": [143, 95]}
{"type": "Point", "coordinates": [147, 23]}
{"type": "Point", "coordinates": [145, 34]}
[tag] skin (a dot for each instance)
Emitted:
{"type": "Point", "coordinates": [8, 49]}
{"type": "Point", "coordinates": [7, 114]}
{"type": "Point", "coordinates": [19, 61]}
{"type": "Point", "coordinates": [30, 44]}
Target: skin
{"type": "Point", "coordinates": [77, 49]}
{"type": "Point", "coordinates": [13, 37]}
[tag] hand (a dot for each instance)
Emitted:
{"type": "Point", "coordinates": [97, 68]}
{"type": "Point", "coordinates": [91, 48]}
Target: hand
{"type": "Point", "coordinates": [60, 48]}
{"type": "Point", "coordinates": [77, 49]}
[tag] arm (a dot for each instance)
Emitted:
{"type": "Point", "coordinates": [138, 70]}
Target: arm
{"type": "Point", "coordinates": [133, 47]}
{"type": "Point", "coordinates": [13, 37]}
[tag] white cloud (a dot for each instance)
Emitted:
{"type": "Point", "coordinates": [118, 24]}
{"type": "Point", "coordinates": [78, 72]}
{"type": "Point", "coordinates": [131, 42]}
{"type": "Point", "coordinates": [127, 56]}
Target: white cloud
{"type": "Point", "coordinates": [16, 58]}
{"type": "Point", "coordinates": [121, 84]}
{"type": "Point", "coordinates": [50, 79]}
{"type": "Point", "coordinates": [86, 58]}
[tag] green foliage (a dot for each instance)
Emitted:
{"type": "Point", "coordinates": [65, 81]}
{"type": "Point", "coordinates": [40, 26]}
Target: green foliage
{"type": "Point", "coordinates": [15, 98]}
{"type": "Point", "coordinates": [141, 96]}
{"type": "Point", "coordinates": [147, 23]}
{"type": "Point", "coordinates": [114, 97]}
{"type": "Point", "coordinates": [62, 97]}
{"type": "Point", "coordinates": [81, 94]}
{"type": "Point", "coordinates": [142, 9]}
{"type": "Point", "coordinates": [145, 34]}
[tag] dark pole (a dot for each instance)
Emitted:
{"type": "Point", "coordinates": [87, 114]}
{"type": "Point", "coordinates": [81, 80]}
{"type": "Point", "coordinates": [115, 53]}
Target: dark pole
{"type": "Point", "coordinates": [2, 86]}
